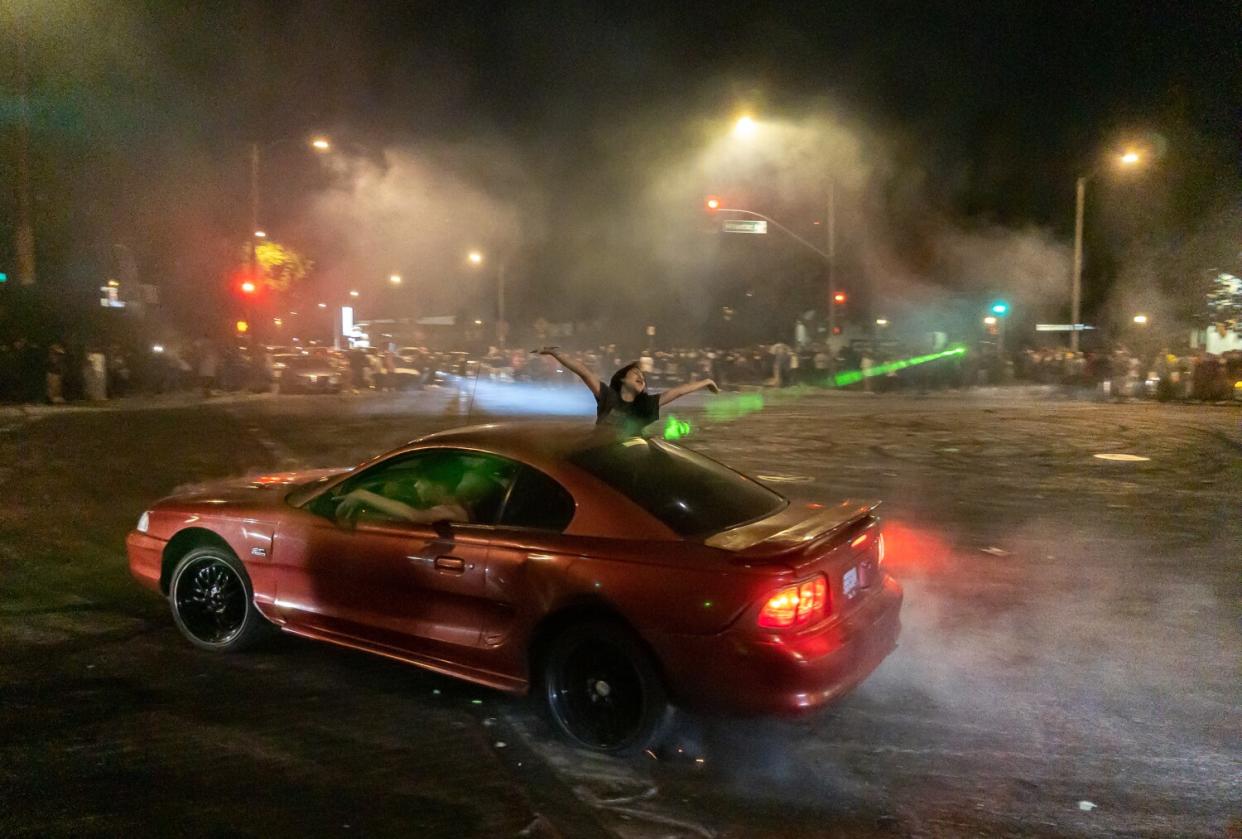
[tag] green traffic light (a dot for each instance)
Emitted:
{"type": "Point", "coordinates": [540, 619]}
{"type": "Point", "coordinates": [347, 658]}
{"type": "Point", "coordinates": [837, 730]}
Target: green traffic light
{"type": "Point", "coordinates": [1000, 308]}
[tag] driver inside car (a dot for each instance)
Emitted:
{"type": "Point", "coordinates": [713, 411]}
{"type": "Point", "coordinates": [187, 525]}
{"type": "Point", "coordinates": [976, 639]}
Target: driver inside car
{"type": "Point", "coordinates": [438, 495]}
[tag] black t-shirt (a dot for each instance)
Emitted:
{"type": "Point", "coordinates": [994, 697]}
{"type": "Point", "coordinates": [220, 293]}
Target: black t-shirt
{"type": "Point", "coordinates": [631, 417]}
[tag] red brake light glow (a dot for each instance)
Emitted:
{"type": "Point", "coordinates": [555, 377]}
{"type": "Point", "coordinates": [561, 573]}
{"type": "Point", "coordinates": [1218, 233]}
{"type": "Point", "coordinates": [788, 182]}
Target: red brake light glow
{"type": "Point", "coordinates": [795, 605]}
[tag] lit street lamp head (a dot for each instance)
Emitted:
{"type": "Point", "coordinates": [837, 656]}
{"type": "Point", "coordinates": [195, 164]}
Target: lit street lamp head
{"type": "Point", "coordinates": [1141, 320]}
{"type": "Point", "coordinates": [321, 144]}
{"type": "Point", "coordinates": [475, 257]}
{"type": "Point", "coordinates": [353, 294]}
{"type": "Point", "coordinates": [745, 128]}
{"type": "Point", "coordinates": [260, 234]}
{"type": "Point", "coordinates": [1130, 158]}
{"type": "Point", "coordinates": [395, 279]}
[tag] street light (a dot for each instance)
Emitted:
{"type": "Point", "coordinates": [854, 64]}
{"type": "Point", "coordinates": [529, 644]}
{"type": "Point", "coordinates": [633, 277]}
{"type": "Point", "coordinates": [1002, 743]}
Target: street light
{"type": "Point", "coordinates": [745, 128]}
{"type": "Point", "coordinates": [502, 329]}
{"type": "Point", "coordinates": [881, 322]}
{"type": "Point", "coordinates": [1141, 320]}
{"type": "Point", "coordinates": [353, 293]}
{"type": "Point", "coordinates": [1129, 159]}
{"type": "Point", "coordinates": [319, 144]}
{"type": "Point", "coordinates": [394, 279]}
{"type": "Point", "coordinates": [990, 321]}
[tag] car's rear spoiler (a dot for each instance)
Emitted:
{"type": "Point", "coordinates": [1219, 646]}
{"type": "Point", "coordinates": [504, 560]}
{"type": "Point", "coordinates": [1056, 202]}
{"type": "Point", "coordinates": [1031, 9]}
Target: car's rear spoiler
{"type": "Point", "coordinates": [798, 526]}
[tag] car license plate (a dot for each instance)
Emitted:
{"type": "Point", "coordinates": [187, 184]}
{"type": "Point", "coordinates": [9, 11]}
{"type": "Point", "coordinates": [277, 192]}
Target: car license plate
{"type": "Point", "coordinates": [849, 582]}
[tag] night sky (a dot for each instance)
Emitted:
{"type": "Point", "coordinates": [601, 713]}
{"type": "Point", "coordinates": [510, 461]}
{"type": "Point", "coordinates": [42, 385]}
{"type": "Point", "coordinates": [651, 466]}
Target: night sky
{"type": "Point", "coordinates": [985, 113]}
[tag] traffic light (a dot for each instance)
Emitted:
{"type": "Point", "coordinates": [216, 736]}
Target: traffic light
{"type": "Point", "coordinates": [1000, 308]}
{"type": "Point", "coordinates": [839, 298]}
{"type": "Point", "coordinates": [242, 327]}
{"type": "Point", "coordinates": [712, 202]}
{"type": "Point", "coordinates": [248, 287]}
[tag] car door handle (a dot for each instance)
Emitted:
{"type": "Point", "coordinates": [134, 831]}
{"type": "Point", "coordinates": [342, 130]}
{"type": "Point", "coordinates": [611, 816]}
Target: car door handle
{"type": "Point", "coordinates": [450, 563]}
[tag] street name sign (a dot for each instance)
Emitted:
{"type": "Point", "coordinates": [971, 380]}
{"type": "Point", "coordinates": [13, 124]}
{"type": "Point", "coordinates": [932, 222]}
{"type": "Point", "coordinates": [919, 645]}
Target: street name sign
{"type": "Point", "coordinates": [1062, 327]}
{"type": "Point", "coordinates": [740, 225]}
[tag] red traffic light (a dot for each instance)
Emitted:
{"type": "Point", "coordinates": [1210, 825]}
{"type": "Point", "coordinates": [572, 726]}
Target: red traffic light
{"type": "Point", "coordinates": [248, 287]}
{"type": "Point", "coordinates": [839, 297]}
{"type": "Point", "coordinates": [712, 202]}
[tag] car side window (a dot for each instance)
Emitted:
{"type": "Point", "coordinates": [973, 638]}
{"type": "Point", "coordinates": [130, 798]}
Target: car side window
{"type": "Point", "coordinates": [424, 487]}
{"type": "Point", "coordinates": [536, 501]}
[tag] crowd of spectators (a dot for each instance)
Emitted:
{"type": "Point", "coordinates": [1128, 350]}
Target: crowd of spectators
{"type": "Point", "coordinates": [1125, 374]}
{"type": "Point", "coordinates": [53, 373]}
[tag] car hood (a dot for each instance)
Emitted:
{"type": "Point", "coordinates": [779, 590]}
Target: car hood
{"type": "Point", "coordinates": [251, 490]}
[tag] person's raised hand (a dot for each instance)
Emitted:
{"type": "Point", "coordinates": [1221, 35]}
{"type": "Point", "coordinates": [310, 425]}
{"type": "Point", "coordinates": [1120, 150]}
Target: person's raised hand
{"type": "Point", "coordinates": [546, 351]}
{"type": "Point", "coordinates": [711, 385]}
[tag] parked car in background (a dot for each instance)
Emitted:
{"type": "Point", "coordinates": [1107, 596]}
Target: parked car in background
{"type": "Point", "coordinates": [309, 374]}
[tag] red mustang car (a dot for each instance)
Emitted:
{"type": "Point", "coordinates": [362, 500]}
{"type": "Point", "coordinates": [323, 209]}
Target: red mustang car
{"type": "Point", "coordinates": [613, 575]}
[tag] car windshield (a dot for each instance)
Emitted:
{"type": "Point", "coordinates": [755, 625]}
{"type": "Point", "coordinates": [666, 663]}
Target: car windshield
{"type": "Point", "coordinates": [692, 494]}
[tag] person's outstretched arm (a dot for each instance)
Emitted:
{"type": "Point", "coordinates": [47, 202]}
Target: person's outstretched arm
{"type": "Point", "coordinates": [588, 378]}
{"type": "Point", "coordinates": [351, 505]}
{"type": "Point", "coordinates": [689, 387]}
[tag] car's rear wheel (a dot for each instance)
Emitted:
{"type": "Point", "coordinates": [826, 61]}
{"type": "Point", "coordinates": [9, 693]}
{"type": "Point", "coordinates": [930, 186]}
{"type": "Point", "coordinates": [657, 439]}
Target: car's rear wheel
{"type": "Point", "coordinates": [213, 602]}
{"type": "Point", "coordinates": [602, 690]}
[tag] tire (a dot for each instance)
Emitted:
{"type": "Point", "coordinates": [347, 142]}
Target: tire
{"type": "Point", "coordinates": [212, 601]}
{"type": "Point", "coordinates": [602, 690]}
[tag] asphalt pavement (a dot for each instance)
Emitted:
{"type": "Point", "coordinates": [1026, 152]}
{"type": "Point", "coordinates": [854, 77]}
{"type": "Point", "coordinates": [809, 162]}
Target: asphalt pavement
{"type": "Point", "coordinates": [1069, 663]}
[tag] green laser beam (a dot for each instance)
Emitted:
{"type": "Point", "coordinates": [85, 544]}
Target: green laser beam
{"type": "Point", "coordinates": [734, 406]}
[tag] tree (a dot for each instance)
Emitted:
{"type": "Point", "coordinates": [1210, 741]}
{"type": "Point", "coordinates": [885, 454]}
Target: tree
{"type": "Point", "coordinates": [280, 267]}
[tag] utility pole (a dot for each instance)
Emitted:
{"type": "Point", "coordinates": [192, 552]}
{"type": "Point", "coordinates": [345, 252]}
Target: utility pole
{"type": "Point", "coordinates": [1076, 286]}
{"type": "Point", "coordinates": [502, 327]}
{"type": "Point", "coordinates": [25, 226]}
{"type": "Point", "coordinates": [832, 270]}
{"type": "Point", "coordinates": [254, 206]}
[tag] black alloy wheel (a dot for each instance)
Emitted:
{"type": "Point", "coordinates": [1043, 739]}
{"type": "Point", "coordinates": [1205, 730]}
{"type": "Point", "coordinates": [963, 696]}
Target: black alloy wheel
{"type": "Point", "coordinates": [213, 602]}
{"type": "Point", "coordinates": [602, 690]}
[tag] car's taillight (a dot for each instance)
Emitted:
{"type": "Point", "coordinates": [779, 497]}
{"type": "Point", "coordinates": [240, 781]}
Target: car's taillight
{"type": "Point", "coordinates": [795, 605]}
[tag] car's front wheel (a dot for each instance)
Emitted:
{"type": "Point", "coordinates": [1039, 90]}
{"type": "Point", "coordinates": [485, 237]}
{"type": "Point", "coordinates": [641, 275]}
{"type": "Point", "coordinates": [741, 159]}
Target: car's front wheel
{"type": "Point", "coordinates": [602, 689]}
{"type": "Point", "coordinates": [213, 602]}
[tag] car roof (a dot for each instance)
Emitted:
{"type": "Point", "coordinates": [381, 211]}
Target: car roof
{"type": "Point", "coordinates": [544, 440]}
